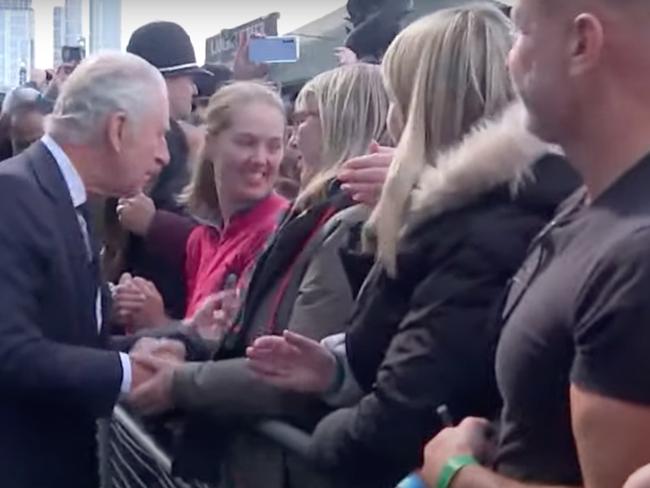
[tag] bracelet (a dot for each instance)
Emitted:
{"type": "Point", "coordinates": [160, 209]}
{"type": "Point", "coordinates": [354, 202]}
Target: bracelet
{"type": "Point", "coordinates": [452, 467]}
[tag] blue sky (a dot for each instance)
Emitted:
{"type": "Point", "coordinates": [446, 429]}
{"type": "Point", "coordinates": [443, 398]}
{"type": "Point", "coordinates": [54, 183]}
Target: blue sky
{"type": "Point", "coordinates": [201, 18]}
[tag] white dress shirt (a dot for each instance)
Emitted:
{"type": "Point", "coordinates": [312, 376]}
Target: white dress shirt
{"type": "Point", "coordinates": [79, 197]}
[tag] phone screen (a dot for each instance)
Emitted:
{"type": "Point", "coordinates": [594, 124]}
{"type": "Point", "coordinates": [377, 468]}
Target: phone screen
{"type": "Point", "coordinates": [72, 54]}
{"type": "Point", "coordinates": [273, 50]}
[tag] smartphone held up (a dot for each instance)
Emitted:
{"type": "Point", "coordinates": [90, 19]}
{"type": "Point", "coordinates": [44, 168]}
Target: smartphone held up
{"type": "Point", "coordinates": [73, 54]}
{"type": "Point", "coordinates": [269, 50]}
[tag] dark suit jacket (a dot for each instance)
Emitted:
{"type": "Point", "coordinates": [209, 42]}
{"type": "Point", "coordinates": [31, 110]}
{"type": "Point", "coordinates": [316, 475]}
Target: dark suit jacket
{"type": "Point", "coordinates": [55, 380]}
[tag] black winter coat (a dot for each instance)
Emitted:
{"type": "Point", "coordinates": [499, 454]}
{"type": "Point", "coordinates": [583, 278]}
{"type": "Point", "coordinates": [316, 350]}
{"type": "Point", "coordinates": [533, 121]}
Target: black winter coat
{"type": "Point", "coordinates": [425, 339]}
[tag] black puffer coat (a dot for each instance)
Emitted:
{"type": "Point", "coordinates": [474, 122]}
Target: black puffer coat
{"type": "Point", "coordinates": [424, 339]}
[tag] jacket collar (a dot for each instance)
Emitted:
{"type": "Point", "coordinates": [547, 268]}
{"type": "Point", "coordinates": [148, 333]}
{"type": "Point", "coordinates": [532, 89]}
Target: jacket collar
{"type": "Point", "coordinates": [47, 173]}
{"type": "Point", "coordinates": [68, 171]}
{"type": "Point", "coordinates": [496, 153]}
{"type": "Point", "coordinates": [260, 211]}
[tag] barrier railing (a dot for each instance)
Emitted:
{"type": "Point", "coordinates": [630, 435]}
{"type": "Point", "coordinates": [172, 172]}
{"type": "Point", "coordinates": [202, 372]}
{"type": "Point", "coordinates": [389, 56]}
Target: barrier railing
{"type": "Point", "coordinates": [129, 456]}
{"type": "Point", "coordinates": [143, 439]}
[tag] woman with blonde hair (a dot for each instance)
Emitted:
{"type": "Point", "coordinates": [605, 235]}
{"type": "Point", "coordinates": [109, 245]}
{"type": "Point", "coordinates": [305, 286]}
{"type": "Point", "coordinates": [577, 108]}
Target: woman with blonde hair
{"type": "Point", "coordinates": [448, 232]}
{"type": "Point", "coordinates": [332, 128]}
{"type": "Point", "coordinates": [230, 194]}
{"type": "Point", "coordinates": [299, 284]}
{"type": "Point", "coordinates": [300, 280]}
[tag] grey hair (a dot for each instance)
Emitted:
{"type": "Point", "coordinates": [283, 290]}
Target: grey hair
{"type": "Point", "coordinates": [19, 97]}
{"type": "Point", "coordinates": [102, 85]}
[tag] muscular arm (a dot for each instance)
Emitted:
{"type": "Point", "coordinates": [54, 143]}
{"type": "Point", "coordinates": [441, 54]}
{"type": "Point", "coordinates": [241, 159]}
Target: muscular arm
{"type": "Point", "coordinates": [613, 437]}
{"type": "Point", "coordinates": [610, 405]}
{"type": "Point", "coordinates": [610, 399]}
{"type": "Point", "coordinates": [613, 440]}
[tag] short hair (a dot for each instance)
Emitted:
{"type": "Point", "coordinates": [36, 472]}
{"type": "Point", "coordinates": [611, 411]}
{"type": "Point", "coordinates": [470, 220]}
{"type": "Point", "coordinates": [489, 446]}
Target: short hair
{"type": "Point", "coordinates": [19, 97]}
{"type": "Point", "coordinates": [102, 85]}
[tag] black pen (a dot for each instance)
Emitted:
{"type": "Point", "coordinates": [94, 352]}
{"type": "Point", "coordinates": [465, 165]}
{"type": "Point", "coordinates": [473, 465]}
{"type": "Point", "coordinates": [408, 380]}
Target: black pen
{"type": "Point", "coordinates": [445, 416]}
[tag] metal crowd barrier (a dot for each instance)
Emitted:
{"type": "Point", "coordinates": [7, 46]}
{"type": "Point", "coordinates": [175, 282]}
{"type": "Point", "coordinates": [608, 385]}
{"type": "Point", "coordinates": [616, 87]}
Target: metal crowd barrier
{"type": "Point", "coordinates": [130, 457]}
{"type": "Point", "coordinates": [143, 439]}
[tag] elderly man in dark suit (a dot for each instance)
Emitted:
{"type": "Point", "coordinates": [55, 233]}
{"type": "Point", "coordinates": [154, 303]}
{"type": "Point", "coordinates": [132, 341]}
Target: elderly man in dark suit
{"type": "Point", "coordinates": [106, 137]}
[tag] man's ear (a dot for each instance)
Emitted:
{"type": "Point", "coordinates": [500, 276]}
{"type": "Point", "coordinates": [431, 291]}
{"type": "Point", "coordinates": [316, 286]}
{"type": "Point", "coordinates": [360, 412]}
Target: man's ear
{"type": "Point", "coordinates": [116, 128]}
{"type": "Point", "coordinates": [587, 42]}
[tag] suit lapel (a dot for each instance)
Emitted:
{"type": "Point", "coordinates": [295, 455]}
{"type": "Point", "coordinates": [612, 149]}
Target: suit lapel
{"type": "Point", "coordinates": [49, 177]}
{"type": "Point", "coordinates": [48, 174]}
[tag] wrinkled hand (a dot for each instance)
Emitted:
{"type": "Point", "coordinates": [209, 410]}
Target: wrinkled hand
{"type": "Point", "coordinates": [136, 213]}
{"type": "Point", "coordinates": [293, 362]}
{"type": "Point", "coordinates": [137, 304]}
{"type": "Point", "coordinates": [472, 437]}
{"type": "Point", "coordinates": [168, 349]}
{"type": "Point", "coordinates": [345, 56]}
{"type": "Point", "coordinates": [363, 177]}
{"type": "Point", "coordinates": [127, 300]}
{"type": "Point", "coordinates": [152, 393]}
{"type": "Point", "coordinates": [243, 67]}
{"type": "Point", "coordinates": [140, 373]}
{"type": "Point", "coordinates": [152, 312]}
{"type": "Point", "coordinates": [216, 314]}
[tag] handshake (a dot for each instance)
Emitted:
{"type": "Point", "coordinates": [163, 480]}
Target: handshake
{"type": "Point", "coordinates": [153, 364]}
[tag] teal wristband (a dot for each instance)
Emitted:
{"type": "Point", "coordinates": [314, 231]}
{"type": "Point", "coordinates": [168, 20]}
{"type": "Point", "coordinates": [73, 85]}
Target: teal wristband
{"type": "Point", "coordinates": [452, 467]}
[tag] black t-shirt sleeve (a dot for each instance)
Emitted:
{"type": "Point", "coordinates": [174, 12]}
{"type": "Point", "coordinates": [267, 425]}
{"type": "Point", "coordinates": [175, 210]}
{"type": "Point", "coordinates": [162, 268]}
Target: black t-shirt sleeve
{"type": "Point", "coordinates": [612, 324]}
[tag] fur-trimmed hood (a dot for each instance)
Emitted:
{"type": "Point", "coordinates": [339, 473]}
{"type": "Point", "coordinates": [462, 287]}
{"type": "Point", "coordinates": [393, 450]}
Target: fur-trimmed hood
{"type": "Point", "coordinates": [496, 153]}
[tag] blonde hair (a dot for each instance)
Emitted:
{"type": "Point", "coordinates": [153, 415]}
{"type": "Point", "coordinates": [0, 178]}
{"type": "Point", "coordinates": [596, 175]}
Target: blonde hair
{"type": "Point", "coordinates": [444, 73]}
{"type": "Point", "coordinates": [200, 196]}
{"type": "Point", "coordinates": [352, 106]}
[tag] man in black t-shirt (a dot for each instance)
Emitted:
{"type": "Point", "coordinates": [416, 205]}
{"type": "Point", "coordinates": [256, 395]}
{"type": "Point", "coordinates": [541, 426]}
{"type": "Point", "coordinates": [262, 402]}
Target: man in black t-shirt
{"type": "Point", "coordinates": [573, 363]}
